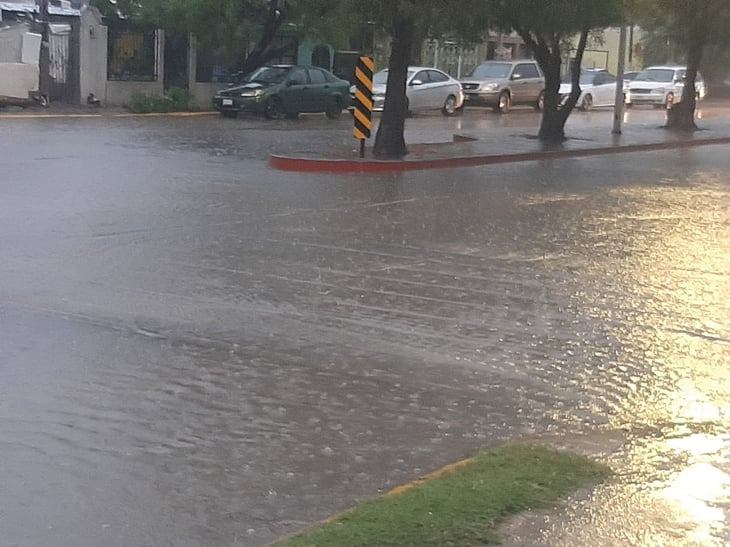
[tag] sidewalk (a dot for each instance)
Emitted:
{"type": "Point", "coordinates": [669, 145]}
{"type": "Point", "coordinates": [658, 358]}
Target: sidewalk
{"type": "Point", "coordinates": [506, 145]}
{"type": "Point", "coordinates": [430, 146]}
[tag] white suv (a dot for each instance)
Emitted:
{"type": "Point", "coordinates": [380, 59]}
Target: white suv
{"type": "Point", "coordinates": [661, 86]}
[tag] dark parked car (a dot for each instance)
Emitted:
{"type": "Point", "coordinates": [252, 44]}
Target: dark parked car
{"type": "Point", "coordinates": [285, 91]}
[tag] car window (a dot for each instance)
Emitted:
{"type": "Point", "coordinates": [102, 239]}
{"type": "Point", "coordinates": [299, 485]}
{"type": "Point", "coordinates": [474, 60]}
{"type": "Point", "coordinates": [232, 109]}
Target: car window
{"type": "Point", "coordinates": [437, 76]}
{"type": "Point", "coordinates": [603, 78]}
{"type": "Point", "coordinates": [316, 76]}
{"type": "Point", "coordinates": [492, 70]}
{"type": "Point", "coordinates": [298, 75]}
{"type": "Point", "coordinates": [656, 75]}
{"type": "Point", "coordinates": [586, 78]}
{"type": "Point", "coordinates": [421, 75]}
{"type": "Point", "coordinates": [527, 70]}
{"type": "Point", "coordinates": [268, 75]}
{"type": "Point", "coordinates": [381, 78]}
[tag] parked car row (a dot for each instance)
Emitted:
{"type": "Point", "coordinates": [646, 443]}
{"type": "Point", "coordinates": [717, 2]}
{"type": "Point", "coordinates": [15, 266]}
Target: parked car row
{"type": "Point", "coordinates": [287, 90]}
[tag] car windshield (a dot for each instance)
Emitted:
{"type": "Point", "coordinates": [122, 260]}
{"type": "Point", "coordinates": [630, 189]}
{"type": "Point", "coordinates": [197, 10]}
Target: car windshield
{"type": "Point", "coordinates": [381, 78]}
{"type": "Point", "coordinates": [269, 74]}
{"type": "Point", "coordinates": [655, 75]}
{"type": "Point", "coordinates": [491, 70]}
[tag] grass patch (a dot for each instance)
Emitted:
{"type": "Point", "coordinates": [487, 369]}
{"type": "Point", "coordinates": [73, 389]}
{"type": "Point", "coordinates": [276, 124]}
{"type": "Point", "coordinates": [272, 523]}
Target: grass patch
{"type": "Point", "coordinates": [175, 100]}
{"type": "Point", "coordinates": [459, 507]}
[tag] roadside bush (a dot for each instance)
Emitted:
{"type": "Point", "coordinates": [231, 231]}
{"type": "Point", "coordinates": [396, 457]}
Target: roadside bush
{"type": "Point", "coordinates": [175, 100]}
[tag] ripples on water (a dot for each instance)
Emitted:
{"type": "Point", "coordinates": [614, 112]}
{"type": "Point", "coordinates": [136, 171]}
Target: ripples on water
{"type": "Point", "coordinates": [269, 351]}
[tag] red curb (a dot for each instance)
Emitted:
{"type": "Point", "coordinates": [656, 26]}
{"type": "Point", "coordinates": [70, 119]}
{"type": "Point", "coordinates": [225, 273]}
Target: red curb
{"type": "Point", "coordinates": [322, 165]}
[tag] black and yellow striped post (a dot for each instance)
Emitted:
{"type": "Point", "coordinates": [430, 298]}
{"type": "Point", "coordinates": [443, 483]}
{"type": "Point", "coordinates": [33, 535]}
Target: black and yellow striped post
{"type": "Point", "coordinates": [363, 107]}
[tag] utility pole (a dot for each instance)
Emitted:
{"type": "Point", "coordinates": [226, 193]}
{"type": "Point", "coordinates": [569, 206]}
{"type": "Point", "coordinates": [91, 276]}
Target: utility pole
{"type": "Point", "coordinates": [44, 59]}
{"type": "Point", "coordinates": [618, 106]}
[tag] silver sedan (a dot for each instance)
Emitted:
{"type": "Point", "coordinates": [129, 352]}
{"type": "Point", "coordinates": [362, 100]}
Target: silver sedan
{"type": "Point", "coordinates": [427, 88]}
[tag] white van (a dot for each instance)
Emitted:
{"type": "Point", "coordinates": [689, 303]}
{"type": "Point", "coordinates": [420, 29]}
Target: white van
{"type": "Point", "coordinates": [661, 86]}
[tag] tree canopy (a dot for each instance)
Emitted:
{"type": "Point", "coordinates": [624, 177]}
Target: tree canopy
{"type": "Point", "coordinates": [546, 26]}
{"type": "Point", "coordinates": [692, 25]}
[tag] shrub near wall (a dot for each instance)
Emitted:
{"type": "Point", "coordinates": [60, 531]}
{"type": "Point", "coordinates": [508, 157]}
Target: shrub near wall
{"type": "Point", "coordinates": [175, 100]}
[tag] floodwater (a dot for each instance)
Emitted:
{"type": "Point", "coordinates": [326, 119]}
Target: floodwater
{"type": "Point", "coordinates": [197, 350]}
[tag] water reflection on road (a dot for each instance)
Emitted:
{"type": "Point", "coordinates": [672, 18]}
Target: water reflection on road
{"type": "Point", "coordinates": [663, 296]}
{"type": "Point", "coordinates": [199, 351]}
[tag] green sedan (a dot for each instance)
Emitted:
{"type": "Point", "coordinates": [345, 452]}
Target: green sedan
{"type": "Point", "coordinates": [285, 91]}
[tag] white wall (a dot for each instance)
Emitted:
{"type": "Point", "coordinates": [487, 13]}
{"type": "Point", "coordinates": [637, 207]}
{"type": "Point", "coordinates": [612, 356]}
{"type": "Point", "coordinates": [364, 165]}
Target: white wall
{"type": "Point", "coordinates": [18, 79]}
{"type": "Point", "coordinates": [203, 92]}
{"type": "Point", "coordinates": [608, 57]}
{"type": "Point", "coordinates": [118, 92]}
{"type": "Point", "coordinates": [93, 55]}
{"type": "Point", "coordinates": [11, 41]}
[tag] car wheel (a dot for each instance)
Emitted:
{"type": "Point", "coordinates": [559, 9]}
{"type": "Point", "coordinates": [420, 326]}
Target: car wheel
{"type": "Point", "coordinates": [274, 109]}
{"type": "Point", "coordinates": [503, 103]}
{"type": "Point", "coordinates": [449, 108]}
{"type": "Point", "coordinates": [587, 103]}
{"type": "Point", "coordinates": [229, 113]}
{"type": "Point", "coordinates": [540, 103]}
{"type": "Point", "coordinates": [334, 109]}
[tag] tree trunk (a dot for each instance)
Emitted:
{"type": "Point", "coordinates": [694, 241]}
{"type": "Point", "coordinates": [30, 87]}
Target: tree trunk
{"type": "Point", "coordinates": [553, 119]}
{"type": "Point", "coordinates": [389, 140]}
{"type": "Point", "coordinates": [548, 55]}
{"type": "Point", "coordinates": [681, 116]}
{"type": "Point", "coordinates": [264, 51]}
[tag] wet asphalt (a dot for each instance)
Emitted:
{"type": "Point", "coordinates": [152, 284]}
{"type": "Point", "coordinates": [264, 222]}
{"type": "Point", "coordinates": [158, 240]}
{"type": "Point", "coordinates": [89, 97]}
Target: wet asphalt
{"type": "Point", "coordinates": [198, 350]}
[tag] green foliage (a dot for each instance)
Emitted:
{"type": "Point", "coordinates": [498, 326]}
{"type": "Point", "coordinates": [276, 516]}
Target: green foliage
{"type": "Point", "coordinates": [463, 506]}
{"type": "Point", "coordinates": [557, 17]}
{"type": "Point", "coordinates": [465, 19]}
{"type": "Point", "coordinates": [685, 20]}
{"type": "Point", "coordinates": [175, 100]}
{"type": "Point", "coordinates": [547, 26]}
{"type": "Point", "coordinates": [671, 26]}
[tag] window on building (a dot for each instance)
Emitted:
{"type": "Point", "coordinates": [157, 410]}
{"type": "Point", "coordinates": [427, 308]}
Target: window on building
{"type": "Point", "coordinates": [132, 55]}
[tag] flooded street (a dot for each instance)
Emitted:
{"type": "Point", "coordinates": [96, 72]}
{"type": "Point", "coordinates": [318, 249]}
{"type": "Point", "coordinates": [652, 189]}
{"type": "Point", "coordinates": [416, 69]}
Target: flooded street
{"type": "Point", "coordinates": [198, 350]}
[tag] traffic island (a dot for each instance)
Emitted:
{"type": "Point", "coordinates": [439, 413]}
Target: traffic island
{"type": "Point", "coordinates": [449, 155]}
{"type": "Point", "coordinates": [461, 504]}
